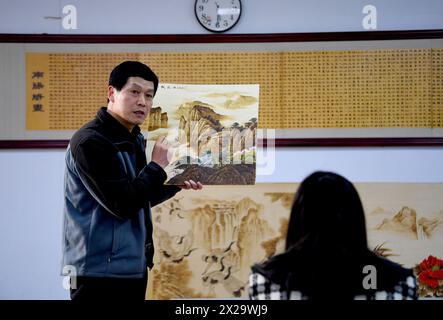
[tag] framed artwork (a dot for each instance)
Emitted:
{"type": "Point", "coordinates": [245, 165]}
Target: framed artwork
{"type": "Point", "coordinates": [317, 89]}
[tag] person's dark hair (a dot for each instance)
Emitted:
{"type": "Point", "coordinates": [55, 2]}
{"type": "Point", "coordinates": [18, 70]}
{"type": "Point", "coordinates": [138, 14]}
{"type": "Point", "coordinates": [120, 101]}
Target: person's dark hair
{"type": "Point", "coordinates": [326, 244]}
{"type": "Point", "coordinates": [327, 214]}
{"type": "Point", "coordinates": [120, 74]}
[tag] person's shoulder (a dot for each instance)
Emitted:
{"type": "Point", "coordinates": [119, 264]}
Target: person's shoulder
{"type": "Point", "coordinates": [392, 267]}
{"type": "Point", "coordinates": [274, 264]}
{"type": "Point", "coordinates": [391, 273]}
{"type": "Point", "coordinates": [90, 133]}
{"type": "Point", "coordinates": [394, 281]}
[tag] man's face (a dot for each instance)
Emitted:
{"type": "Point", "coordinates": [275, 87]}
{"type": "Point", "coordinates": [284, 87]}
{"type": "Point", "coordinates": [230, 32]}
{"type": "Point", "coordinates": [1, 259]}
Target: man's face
{"type": "Point", "coordinates": [131, 105]}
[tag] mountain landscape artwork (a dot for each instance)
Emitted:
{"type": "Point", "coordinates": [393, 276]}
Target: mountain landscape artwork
{"type": "Point", "coordinates": [206, 242]}
{"type": "Point", "coordinates": [211, 130]}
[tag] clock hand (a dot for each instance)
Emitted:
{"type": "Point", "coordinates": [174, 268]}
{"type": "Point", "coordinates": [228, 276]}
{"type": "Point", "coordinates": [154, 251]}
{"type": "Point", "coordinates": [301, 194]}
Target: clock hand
{"type": "Point", "coordinates": [218, 15]}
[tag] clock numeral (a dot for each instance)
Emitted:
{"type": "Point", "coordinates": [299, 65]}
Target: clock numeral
{"type": "Point", "coordinates": [225, 23]}
{"type": "Point", "coordinates": [205, 19]}
{"type": "Point", "coordinates": [201, 8]}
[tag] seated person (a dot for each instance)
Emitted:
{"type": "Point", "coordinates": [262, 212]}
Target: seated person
{"type": "Point", "coordinates": [327, 255]}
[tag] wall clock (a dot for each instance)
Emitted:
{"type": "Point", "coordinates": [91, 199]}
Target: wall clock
{"type": "Point", "coordinates": [218, 15]}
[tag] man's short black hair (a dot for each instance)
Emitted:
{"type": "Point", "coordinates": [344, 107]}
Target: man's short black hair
{"type": "Point", "coordinates": [120, 74]}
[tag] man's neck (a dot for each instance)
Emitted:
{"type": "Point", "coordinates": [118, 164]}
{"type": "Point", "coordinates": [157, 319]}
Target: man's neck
{"type": "Point", "coordinates": [123, 122]}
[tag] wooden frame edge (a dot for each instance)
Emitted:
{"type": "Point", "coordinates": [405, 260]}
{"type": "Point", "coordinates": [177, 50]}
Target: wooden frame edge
{"type": "Point", "coordinates": [222, 38]}
{"type": "Point", "coordinates": [280, 143]}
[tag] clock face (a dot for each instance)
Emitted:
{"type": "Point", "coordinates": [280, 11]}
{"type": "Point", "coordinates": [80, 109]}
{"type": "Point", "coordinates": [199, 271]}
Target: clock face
{"type": "Point", "coordinates": [218, 15]}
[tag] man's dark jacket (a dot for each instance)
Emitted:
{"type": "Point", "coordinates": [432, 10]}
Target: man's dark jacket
{"type": "Point", "coordinates": [109, 190]}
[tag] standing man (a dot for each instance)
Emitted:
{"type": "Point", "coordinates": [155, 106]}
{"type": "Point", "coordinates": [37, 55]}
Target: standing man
{"type": "Point", "coordinates": [110, 189]}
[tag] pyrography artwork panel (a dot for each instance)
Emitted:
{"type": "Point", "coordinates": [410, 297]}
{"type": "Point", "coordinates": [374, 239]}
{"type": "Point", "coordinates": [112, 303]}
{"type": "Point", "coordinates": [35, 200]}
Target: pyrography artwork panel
{"type": "Point", "coordinates": [404, 220]}
{"type": "Point", "coordinates": [206, 241]}
{"type": "Point", "coordinates": [211, 130]}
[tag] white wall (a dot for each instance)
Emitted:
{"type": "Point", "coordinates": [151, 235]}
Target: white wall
{"type": "Point", "coordinates": [31, 181]}
{"type": "Point", "coordinates": [359, 164]}
{"type": "Point", "coordinates": [31, 193]}
{"type": "Point", "coordinates": [177, 16]}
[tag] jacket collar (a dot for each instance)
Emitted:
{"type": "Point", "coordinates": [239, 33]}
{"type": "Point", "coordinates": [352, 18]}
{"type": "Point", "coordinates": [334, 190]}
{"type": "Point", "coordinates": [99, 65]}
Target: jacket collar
{"type": "Point", "coordinates": [115, 128]}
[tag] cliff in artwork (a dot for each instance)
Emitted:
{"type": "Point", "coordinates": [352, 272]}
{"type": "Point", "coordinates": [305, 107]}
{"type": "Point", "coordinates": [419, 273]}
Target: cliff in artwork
{"type": "Point", "coordinates": [216, 154]}
{"type": "Point", "coordinates": [157, 119]}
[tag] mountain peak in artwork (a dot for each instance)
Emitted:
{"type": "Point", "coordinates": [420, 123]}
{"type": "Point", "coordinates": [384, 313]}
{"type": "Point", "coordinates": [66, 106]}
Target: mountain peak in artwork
{"type": "Point", "coordinates": [405, 221]}
{"type": "Point", "coordinates": [406, 216]}
{"type": "Point", "coordinates": [197, 120]}
{"type": "Point", "coordinates": [199, 112]}
{"type": "Point", "coordinates": [244, 205]}
{"type": "Point", "coordinates": [185, 108]}
{"type": "Point", "coordinates": [428, 227]}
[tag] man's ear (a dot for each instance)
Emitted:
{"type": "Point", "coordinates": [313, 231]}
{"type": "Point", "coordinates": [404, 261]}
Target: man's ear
{"type": "Point", "coordinates": [111, 93]}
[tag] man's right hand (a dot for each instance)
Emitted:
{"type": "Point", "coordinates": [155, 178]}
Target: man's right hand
{"type": "Point", "coordinates": [160, 152]}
